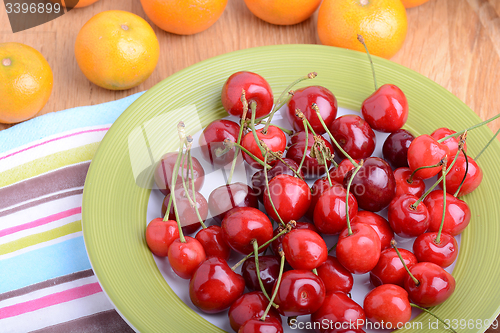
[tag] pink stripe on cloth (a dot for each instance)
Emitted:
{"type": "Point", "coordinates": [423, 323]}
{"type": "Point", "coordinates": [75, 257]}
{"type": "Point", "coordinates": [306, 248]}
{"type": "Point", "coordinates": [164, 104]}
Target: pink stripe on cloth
{"type": "Point", "coordinates": [49, 300]}
{"type": "Point", "coordinates": [42, 221]}
{"type": "Point", "coordinates": [54, 139]}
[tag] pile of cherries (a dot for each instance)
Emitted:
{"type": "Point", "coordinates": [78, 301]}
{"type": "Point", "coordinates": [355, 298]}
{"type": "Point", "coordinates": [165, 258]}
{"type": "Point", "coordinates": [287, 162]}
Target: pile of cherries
{"type": "Point", "coordinates": [298, 275]}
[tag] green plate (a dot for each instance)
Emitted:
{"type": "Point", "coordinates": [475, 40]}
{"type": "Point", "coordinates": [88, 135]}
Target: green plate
{"type": "Point", "coordinates": [115, 197]}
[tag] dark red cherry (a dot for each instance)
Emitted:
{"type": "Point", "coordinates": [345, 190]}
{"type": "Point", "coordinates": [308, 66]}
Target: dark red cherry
{"type": "Point", "coordinates": [280, 168]}
{"type": "Point", "coordinates": [226, 197]}
{"type": "Point", "coordinates": [406, 220]}
{"type": "Point", "coordinates": [160, 234]}
{"type": "Point", "coordinates": [256, 89]}
{"type": "Point", "coordinates": [359, 253]}
{"type": "Point", "coordinates": [389, 269]}
{"type": "Point", "coordinates": [311, 166]}
{"type": "Point", "coordinates": [274, 138]}
{"type": "Point", "coordinates": [378, 223]}
{"type": "Point", "coordinates": [165, 168]}
{"type": "Point", "coordinates": [212, 138]}
{"type": "Point", "coordinates": [338, 309]}
{"type": "Point", "coordinates": [269, 267]}
{"type": "Point", "coordinates": [255, 325]}
{"type": "Point", "coordinates": [214, 286]}
{"type": "Point", "coordinates": [388, 305]}
{"type": "Point", "coordinates": [395, 148]}
{"type": "Point", "coordinates": [187, 212]}
{"type": "Point", "coordinates": [456, 175]}
{"type": "Point", "coordinates": [457, 215]}
{"type": "Point", "coordinates": [213, 242]}
{"type": "Point", "coordinates": [338, 174]}
{"type": "Point", "coordinates": [443, 254]}
{"type": "Point", "coordinates": [354, 135]}
{"type": "Point", "coordinates": [304, 249]}
{"type": "Point", "coordinates": [248, 306]}
{"type": "Point", "coordinates": [451, 143]}
{"type": "Point", "coordinates": [424, 150]}
{"type": "Point", "coordinates": [303, 100]}
{"type": "Point", "coordinates": [290, 196]}
{"type": "Point", "coordinates": [335, 276]}
{"type": "Point", "coordinates": [278, 242]}
{"type": "Point", "coordinates": [330, 211]}
{"type": "Point", "coordinates": [184, 258]}
{"type": "Point", "coordinates": [403, 184]}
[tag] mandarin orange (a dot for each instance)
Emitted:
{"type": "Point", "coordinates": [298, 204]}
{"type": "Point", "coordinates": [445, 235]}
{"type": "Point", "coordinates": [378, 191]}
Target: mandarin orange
{"type": "Point", "coordinates": [283, 12]}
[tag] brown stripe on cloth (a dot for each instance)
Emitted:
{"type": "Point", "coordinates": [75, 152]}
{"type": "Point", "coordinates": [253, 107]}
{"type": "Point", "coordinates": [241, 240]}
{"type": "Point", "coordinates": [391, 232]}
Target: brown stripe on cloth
{"type": "Point", "coordinates": [102, 322]}
{"type": "Point", "coordinates": [55, 181]}
{"type": "Point", "coordinates": [46, 284]}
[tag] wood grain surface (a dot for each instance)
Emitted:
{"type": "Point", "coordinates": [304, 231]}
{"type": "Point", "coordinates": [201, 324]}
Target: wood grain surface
{"type": "Point", "coordinates": [456, 43]}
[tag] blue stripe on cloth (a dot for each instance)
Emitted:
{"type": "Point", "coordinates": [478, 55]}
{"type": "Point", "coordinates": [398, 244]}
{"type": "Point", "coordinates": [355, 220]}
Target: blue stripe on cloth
{"type": "Point", "coordinates": [42, 264]}
{"type": "Point", "coordinates": [63, 121]}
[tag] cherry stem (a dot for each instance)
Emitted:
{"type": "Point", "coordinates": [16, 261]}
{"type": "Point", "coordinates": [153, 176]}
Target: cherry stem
{"type": "Point", "coordinates": [393, 244]}
{"type": "Point", "coordinates": [487, 145]}
{"type": "Point", "coordinates": [252, 127]}
{"type": "Point", "coordinates": [269, 191]}
{"type": "Point", "coordinates": [465, 175]}
{"type": "Point", "coordinates": [276, 286]}
{"type": "Point", "coordinates": [315, 271]}
{"type": "Point", "coordinates": [410, 180]}
{"type": "Point", "coordinates": [257, 270]}
{"type": "Point", "coordinates": [304, 121]}
{"type": "Point", "coordinates": [326, 168]}
{"type": "Point", "coordinates": [362, 41]}
{"type": "Point", "coordinates": [190, 161]}
{"type": "Point", "coordinates": [438, 237]}
{"type": "Point", "coordinates": [469, 129]}
{"type": "Point", "coordinates": [230, 145]}
{"type": "Point", "coordinates": [333, 248]}
{"type": "Point", "coordinates": [349, 230]}
{"type": "Point", "coordinates": [277, 156]}
{"type": "Point", "coordinates": [240, 134]}
{"type": "Point", "coordinates": [432, 314]}
{"type": "Point", "coordinates": [182, 136]}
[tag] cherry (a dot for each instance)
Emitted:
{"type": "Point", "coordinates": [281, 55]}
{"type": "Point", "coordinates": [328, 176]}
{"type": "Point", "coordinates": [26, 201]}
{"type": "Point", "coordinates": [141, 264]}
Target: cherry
{"type": "Point", "coordinates": [378, 223]}
{"type": "Point", "coordinates": [257, 91]}
{"type": "Point", "coordinates": [244, 224]}
{"type": "Point", "coordinates": [395, 148]}
{"type": "Point", "coordinates": [444, 253]}
{"type": "Point", "coordinates": [164, 170]}
{"type": "Point", "coordinates": [213, 242]}
{"type": "Point", "coordinates": [451, 143]}
{"type": "Point", "coordinates": [269, 267]}
{"type": "Point", "coordinates": [184, 258]}
{"type": "Point", "coordinates": [338, 310]}
{"type": "Point", "coordinates": [248, 306]}
{"type": "Point", "coordinates": [338, 174]}
{"type": "Point", "coordinates": [274, 138]}
{"type": "Point", "coordinates": [405, 185]}
{"type": "Point", "coordinates": [373, 185]}
{"type": "Point", "coordinates": [344, 330]}
{"type": "Point", "coordinates": [456, 175]}
{"type": "Point", "coordinates": [160, 234]}
{"type": "Point", "coordinates": [424, 150]}
{"type": "Point", "coordinates": [389, 305]}
{"type": "Point", "coordinates": [405, 219]}
{"type": "Point", "coordinates": [214, 286]}
{"type": "Point", "coordinates": [335, 276]}
{"type": "Point", "coordinates": [311, 166]}
{"type": "Point", "coordinates": [303, 99]}
{"type": "Point", "coordinates": [254, 325]}
{"type": "Point", "coordinates": [226, 197]}
{"type": "Point", "coordinates": [304, 249]}
{"type": "Point", "coordinates": [358, 252]}
{"type": "Point", "coordinates": [259, 179]}
{"type": "Point", "coordinates": [457, 215]}
{"type": "Point", "coordinates": [278, 242]}
{"type": "Point", "coordinates": [390, 269]}
{"type": "Point", "coordinates": [212, 138]}
{"type": "Point", "coordinates": [300, 292]}
{"type": "Point", "coordinates": [290, 196]}
{"type": "Point", "coordinates": [318, 187]}
{"type": "Point", "coordinates": [187, 212]}
{"type": "Point", "coordinates": [330, 210]}
{"type": "Point", "coordinates": [354, 135]}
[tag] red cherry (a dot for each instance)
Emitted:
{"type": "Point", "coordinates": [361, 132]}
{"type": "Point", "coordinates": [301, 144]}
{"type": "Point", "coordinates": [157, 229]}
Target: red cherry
{"type": "Point", "coordinates": [214, 286]}
{"type": "Point", "coordinates": [389, 305]}
{"type": "Point", "coordinates": [338, 174]}
{"type": "Point", "coordinates": [165, 168]}
{"type": "Point", "coordinates": [269, 267]}
{"type": "Point", "coordinates": [403, 185]}
{"type": "Point", "coordinates": [354, 135]}
{"type": "Point", "coordinates": [212, 240]}
{"type": "Point", "coordinates": [435, 284]}
{"type": "Point", "coordinates": [242, 225]}
{"type": "Point", "coordinates": [360, 251]}
{"type": "Point", "coordinates": [451, 143]}
{"type": "Point", "coordinates": [389, 269]}
{"type": "Point", "coordinates": [256, 89]}
{"type": "Point", "coordinates": [160, 234]}
{"type": "Point", "coordinates": [304, 249]}
{"type": "Point", "coordinates": [303, 99]}
{"type": "Point", "coordinates": [386, 110]}
{"type": "Point", "coordinates": [457, 215]}
{"type": "Point", "coordinates": [248, 306]}
{"type": "Point", "coordinates": [212, 138]}
{"type": "Point", "coordinates": [426, 151]}
{"type": "Point", "coordinates": [187, 213]}
{"type": "Point", "coordinates": [330, 211]}
{"type": "Point", "coordinates": [378, 223]}
{"type": "Point", "coordinates": [442, 254]}
{"type": "Point", "coordinates": [254, 325]}
{"type": "Point", "coordinates": [338, 310]}
{"type": "Point", "coordinates": [278, 242]}
{"type": "Point", "coordinates": [226, 197]}
{"type": "Point", "coordinates": [395, 148]}
{"type": "Point", "coordinates": [456, 175]}
{"type": "Point", "coordinates": [335, 276]}
{"type": "Point", "coordinates": [320, 185]}
{"type": "Point", "coordinates": [344, 330]}
{"type": "Point", "coordinates": [184, 258]}
{"type": "Point", "coordinates": [406, 220]}
{"type": "Point", "coordinates": [311, 166]}
{"type": "Point", "coordinates": [291, 197]}
{"type": "Point", "coordinates": [280, 168]}
{"type": "Point", "coordinates": [274, 138]}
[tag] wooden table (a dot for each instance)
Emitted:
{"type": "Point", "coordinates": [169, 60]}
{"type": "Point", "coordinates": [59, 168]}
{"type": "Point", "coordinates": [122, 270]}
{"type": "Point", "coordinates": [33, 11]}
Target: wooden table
{"type": "Point", "coordinates": [456, 43]}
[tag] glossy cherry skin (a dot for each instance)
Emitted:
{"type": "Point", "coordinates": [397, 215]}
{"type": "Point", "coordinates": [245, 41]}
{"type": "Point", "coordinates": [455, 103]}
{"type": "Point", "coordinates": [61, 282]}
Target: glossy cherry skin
{"type": "Point", "coordinates": [303, 100]}
{"type": "Point", "coordinates": [214, 286]}
{"type": "Point", "coordinates": [390, 269]}
{"type": "Point", "coordinates": [403, 185]}
{"type": "Point", "coordinates": [358, 253]}
{"type": "Point", "coordinates": [405, 220]}
{"type": "Point", "coordinates": [354, 135]}
{"type": "Point", "coordinates": [184, 258]}
{"type": "Point", "coordinates": [451, 143]}
{"type": "Point", "coordinates": [395, 148]}
{"type": "Point", "coordinates": [338, 174]}
{"type": "Point", "coordinates": [435, 284]}
{"type": "Point", "coordinates": [389, 305]}
{"type": "Point", "coordinates": [255, 325]}
{"type": "Point", "coordinates": [424, 150]}
{"type": "Point", "coordinates": [213, 242]}
{"type": "Point", "coordinates": [291, 197]}
{"type": "Point", "coordinates": [318, 187]}
{"type": "Point", "coordinates": [442, 254]}
{"type": "Point", "coordinates": [330, 210]}
{"type": "Point", "coordinates": [338, 308]}
{"type": "Point", "coordinates": [248, 306]}
{"type": "Point", "coordinates": [274, 138]}
{"type": "Point", "coordinates": [280, 168]}
{"type": "Point", "coordinates": [311, 166]}
{"type": "Point", "coordinates": [304, 249]}
{"type": "Point", "coordinates": [300, 292]}
{"type": "Point", "coordinates": [212, 138]}
{"type": "Point", "coordinates": [457, 215]}
{"type": "Point", "coordinates": [242, 225]}
{"type": "Point", "coordinates": [226, 197]}
{"type": "Point", "coordinates": [187, 213]}
{"type": "Point", "coordinates": [335, 276]}
{"type": "Point", "coordinates": [378, 223]}
{"type": "Point", "coordinates": [278, 242]}
{"type": "Point", "coordinates": [456, 175]}
{"type": "Point", "coordinates": [386, 110]}
{"type": "Point", "coordinates": [256, 88]}
{"type": "Point", "coordinates": [269, 267]}
{"type": "Point", "coordinates": [374, 185]}
{"type": "Point", "coordinates": [160, 234]}
{"type": "Point", "coordinates": [165, 168]}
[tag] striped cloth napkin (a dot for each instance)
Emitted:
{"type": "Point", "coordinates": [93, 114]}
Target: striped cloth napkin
{"type": "Point", "coordinates": [46, 281]}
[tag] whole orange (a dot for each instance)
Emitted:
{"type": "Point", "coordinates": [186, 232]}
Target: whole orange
{"type": "Point", "coordinates": [382, 23]}
{"type": "Point", "coordinates": [184, 17]}
{"type": "Point", "coordinates": [25, 82]}
{"type": "Point", "coordinates": [117, 50]}
{"type": "Point", "coordinates": [413, 3]}
{"type": "Point", "coordinates": [283, 12]}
